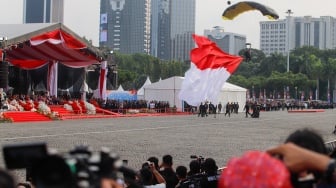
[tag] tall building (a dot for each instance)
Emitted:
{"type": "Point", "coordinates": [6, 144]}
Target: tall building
{"type": "Point", "coordinates": [231, 43]}
{"type": "Point", "coordinates": [125, 25]}
{"type": "Point", "coordinates": [160, 29]}
{"type": "Point", "coordinates": [294, 32]}
{"type": "Point", "coordinates": [43, 11]}
{"type": "Point", "coordinates": [182, 26]}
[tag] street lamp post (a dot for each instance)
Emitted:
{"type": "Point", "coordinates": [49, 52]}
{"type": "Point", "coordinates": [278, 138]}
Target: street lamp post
{"type": "Point", "coordinates": [289, 12]}
{"type": "Point", "coordinates": [111, 59]}
{"type": "Point", "coordinates": [247, 52]}
{"type": "Point", "coordinates": [3, 65]}
{"type": "Point", "coordinates": [253, 94]}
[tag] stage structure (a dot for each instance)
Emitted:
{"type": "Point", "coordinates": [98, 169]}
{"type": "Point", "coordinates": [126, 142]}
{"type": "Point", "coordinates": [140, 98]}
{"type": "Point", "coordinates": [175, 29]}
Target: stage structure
{"type": "Point", "coordinates": [33, 46]}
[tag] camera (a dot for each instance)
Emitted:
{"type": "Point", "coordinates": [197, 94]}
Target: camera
{"type": "Point", "coordinates": [147, 164]}
{"type": "Point", "coordinates": [78, 168]}
{"type": "Point", "coordinates": [199, 159]}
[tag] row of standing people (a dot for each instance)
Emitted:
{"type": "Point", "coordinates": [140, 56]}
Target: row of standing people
{"type": "Point", "coordinates": [209, 108]}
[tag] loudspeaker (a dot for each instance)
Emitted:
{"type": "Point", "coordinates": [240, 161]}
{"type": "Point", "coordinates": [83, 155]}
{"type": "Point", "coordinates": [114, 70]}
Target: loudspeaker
{"type": "Point", "coordinates": [3, 74]}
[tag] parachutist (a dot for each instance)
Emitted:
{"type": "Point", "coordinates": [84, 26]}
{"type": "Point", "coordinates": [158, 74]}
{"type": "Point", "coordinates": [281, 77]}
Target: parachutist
{"type": "Point", "coordinates": [234, 10]}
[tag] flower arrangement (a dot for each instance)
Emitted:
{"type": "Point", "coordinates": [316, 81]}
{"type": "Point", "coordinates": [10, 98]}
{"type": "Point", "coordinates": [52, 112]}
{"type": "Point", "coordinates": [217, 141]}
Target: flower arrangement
{"type": "Point", "coordinates": [133, 111]}
{"type": "Point", "coordinates": [15, 106]}
{"type": "Point", "coordinates": [4, 119]}
{"type": "Point", "coordinates": [54, 116]}
{"type": "Point", "coordinates": [68, 107]}
{"type": "Point", "coordinates": [43, 108]}
{"type": "Point", "coordinates": [90, 108]}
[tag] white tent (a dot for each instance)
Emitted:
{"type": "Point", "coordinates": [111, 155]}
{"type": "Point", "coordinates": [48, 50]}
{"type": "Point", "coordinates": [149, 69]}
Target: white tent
{"type": "Point", "coordinates": [168, 90]}
{"type": "Point", "coordinates": [232, 93]}
{"type": "Point", "coordinates": [120, 88]}
{"type": "Point", "coordinates": [140, 92]}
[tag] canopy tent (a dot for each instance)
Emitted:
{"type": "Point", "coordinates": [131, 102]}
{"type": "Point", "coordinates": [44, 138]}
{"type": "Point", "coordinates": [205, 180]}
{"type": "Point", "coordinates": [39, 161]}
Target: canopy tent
{"type": "Point", "coordinates": [120, 88]}
{"type": "Point", "coordinates": [168, 90]}
{"type": "Point", "coordinates": [140, 92]}
{"type": "Point", "coordinates": [122, 95]}
{"type": "Point", "coordinates": [31, 46]}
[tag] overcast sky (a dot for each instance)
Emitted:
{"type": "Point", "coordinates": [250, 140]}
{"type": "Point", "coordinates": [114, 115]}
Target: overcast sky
{"type": "Point", "coordinates": [82, 16]}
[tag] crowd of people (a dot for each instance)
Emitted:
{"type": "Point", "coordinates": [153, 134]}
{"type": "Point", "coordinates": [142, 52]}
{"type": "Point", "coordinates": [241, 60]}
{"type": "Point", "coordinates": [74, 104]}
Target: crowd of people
{"type": "Point", "coordinates": [301, 161]}
{"type": "Point", "coordinates": [252, 109]}
{"type": "Point", "coordinates": [31, 102]}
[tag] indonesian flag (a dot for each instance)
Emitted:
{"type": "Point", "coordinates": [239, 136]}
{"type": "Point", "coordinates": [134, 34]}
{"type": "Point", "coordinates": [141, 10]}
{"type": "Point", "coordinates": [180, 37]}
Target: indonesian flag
{"type": "Point", "coordinates": [210, 68]}
{"type": "Point", "coordinates": [2, 55]}
{"type": "Point", "coordinates": [102, 81]}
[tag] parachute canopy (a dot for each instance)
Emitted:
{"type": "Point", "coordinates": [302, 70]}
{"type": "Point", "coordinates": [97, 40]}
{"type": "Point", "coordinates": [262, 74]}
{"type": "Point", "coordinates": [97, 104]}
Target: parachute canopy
{"type": "Point", "coordinates": [234, 10]}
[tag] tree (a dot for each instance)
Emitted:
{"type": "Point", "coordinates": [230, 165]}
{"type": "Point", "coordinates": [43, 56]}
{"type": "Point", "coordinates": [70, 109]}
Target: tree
{"type": "Point", "coordinates": [316, 72]}
{"type": "Point", "coordinates": [274, 62]}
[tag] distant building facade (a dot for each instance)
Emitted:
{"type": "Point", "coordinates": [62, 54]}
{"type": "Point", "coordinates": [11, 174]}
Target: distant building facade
{"type": "Point", "coordinates": [43, 11]}
{"type": "Point", "coordinates": [231, 43]}
{"type": "Point", "coordinates": [182, 26]}
{"type": "Point", "coordinates": [125, 25]}
{"type": "Point", "coordinates": [162, 28]}
{"type": "Point", "coordinates": [294, 32]}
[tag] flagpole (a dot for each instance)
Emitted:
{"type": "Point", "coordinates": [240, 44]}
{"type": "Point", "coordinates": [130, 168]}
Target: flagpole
{"type": "Point", "coordinates": [289, 12]}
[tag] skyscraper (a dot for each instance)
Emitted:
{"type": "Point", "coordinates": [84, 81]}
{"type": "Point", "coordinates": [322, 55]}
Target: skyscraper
{"type": "Point", "coordinates": [162, 28]}
{"type": "Point", "coordinates": [182, 26]}
{"type": "Point", "coordinates": [125, 25]}
{"type": "Point", "coordinates": [43, 11]}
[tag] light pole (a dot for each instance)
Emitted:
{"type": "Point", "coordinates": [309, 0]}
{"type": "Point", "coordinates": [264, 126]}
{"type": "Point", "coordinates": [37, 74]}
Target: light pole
{"type": "Point", "coordinates": [111, 58]}
{"type": "Point", "coordinates": [3, 64]}
{"type": "Point", "coordinates": [247, 52]}
{"type": "Point", "coordinates": [296, 92]}
{"type": "Point", "coordinates": [253, 94]}
{"type": "Point", "coordinates": [289, 12]}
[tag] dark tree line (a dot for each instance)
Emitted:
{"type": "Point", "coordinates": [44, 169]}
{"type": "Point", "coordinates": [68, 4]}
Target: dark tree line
{"type": "Point", "coordinates": [310, 70]}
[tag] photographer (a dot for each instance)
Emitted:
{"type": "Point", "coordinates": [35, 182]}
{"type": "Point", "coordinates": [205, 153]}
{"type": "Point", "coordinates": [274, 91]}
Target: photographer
{"type": "Point", "coordinates": [6, 180]}
{"type": "Point", "coordinates": [211, 176]}
{"type": "Point", "coordinates": [181, 173]}
{"type": "Point", "coordinates": [147, 174]}
{"type": "Point", "coordinates": [79, 167]}
{"type": "Point", "coordinates": [167, 171]}
{"type": "Point", "coordinates": [194, 168]}
{"type": "Point", "coordinates": [195, 173]}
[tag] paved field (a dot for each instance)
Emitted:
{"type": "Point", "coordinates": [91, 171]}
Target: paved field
{"type": "Point", "coordinates": [138, 138]}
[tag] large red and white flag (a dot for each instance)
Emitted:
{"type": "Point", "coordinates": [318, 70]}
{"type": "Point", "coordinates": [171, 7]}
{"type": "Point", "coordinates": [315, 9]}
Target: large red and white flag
{"type": "Point", "coordinates": [210, 68]}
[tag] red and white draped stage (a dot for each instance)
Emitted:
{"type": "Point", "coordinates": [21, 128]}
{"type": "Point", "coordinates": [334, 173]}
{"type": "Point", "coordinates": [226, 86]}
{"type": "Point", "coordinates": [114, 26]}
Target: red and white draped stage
{"type": "Point", "coordinates": [50, 45]}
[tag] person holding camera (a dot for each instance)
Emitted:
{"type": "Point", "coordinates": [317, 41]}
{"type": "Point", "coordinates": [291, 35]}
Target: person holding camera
{"type": "Point", "coordinates": [148, 173]}
{"type": "Point", "coordinates": [167, 171]}
{"type": "Point", "coordinates": [211, 176]}
{"type": "Point", "coordinates": [181, 173]}
{"type": "Point", "coordinates": [194, 168]}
